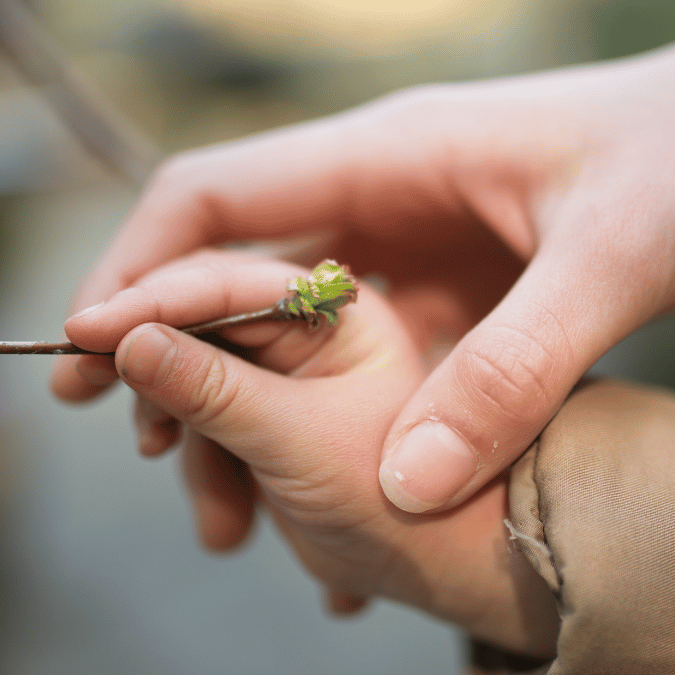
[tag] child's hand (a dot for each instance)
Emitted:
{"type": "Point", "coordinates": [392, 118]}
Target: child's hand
{"type": "Point", "coordinates": [302, 428]}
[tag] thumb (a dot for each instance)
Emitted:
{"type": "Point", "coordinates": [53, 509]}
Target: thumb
{"type": "Point", "coordinates": [240, 406]}
{"type": "Point", "coordinates": [499, 387]}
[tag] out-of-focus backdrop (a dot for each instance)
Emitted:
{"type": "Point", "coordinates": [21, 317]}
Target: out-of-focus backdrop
{"type": "Point", "coordinates": [99, 572]}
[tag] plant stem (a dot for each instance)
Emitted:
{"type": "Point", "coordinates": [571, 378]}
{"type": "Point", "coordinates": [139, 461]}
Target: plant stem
{"type": "Point", "coordinates": [278, 312]}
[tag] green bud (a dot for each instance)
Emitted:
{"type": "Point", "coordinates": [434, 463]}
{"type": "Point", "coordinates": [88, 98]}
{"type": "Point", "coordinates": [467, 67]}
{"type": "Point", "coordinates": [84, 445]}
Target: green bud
{"type": "Point", "coordinates": [329, 287]}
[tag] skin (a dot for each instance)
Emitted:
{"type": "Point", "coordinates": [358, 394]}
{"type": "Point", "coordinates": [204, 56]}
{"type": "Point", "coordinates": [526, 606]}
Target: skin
{"type": "Point", "coordinates": [536, 211]}
{"type": "Point", "coordinates": [303, 421]}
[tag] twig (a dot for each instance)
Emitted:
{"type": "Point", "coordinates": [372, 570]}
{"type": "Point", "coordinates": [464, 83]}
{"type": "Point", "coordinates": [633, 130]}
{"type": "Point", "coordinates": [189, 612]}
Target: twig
{"type": "Point", "coordinates": [41, 348]}
{"type": "Point", "coordinates": [276, 313]}
{"type": "Point", "coordinates": [329, 287]}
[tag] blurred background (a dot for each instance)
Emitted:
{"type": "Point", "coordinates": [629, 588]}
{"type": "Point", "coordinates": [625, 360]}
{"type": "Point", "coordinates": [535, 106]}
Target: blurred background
{"type": "Point", "coordinates": [99, 571]}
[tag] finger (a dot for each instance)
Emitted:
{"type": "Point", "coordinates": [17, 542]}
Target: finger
{"type": "Point", "coordinates": [280, 182]}
{"type": "Point", "coordinates": [156, 430]}
{"type": "Point", "coordinates": [98, 371]}
{"type": "Point", "coordinates": [342, 604]}
{"type": "Point", "coordinates": [205, 286]}
{"type": "Point", "coordinates": [68, 385]}
{"type": "Point", "coordinates": [498, 388]}
{"type": "Point", "coordinates": [224, 285]}
{"type": "Point", "coordinates": [221, 490]}
{"type": "Point", "coordinates": [238, 405]}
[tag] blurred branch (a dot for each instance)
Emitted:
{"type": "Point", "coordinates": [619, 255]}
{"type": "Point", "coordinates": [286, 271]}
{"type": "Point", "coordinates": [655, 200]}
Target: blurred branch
{"type": "Point", "coordinates": [102, 131]}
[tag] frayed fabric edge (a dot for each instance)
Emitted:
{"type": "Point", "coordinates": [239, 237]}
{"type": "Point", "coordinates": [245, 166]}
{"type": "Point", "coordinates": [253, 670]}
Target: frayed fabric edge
{"type": "Point", "coordinates": [516, 535]}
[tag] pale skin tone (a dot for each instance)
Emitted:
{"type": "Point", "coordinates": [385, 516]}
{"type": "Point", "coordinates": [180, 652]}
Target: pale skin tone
{"type": "Point", "coordinates": [531, 219]}
{"type": "Point", "coordinates": [532, 216]}
{"type": "Point", "coordinates": [303, 426]}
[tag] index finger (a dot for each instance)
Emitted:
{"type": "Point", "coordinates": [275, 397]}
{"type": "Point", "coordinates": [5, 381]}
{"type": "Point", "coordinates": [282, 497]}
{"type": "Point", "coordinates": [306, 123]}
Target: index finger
{"type": "Point", "coordinates": [279, 183]}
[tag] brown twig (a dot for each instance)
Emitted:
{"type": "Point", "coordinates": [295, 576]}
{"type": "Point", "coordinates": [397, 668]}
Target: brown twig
{"type": "Point", "coordinates": [278, 312]}
{"type": "Point", "coordinates": [41, 348]}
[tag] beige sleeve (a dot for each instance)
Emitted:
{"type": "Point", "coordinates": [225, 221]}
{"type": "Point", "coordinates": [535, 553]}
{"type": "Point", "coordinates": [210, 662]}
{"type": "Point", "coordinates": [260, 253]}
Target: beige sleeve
{"type": "Point", "coordinates": [592, 506]}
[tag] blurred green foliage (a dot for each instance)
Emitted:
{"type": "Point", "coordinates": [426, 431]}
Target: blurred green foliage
{"type": "Point", "coordinates": [623, 27]}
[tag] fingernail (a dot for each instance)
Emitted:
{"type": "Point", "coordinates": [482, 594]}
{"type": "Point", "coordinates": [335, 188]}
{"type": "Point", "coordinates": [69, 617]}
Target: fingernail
{"type": "Point", "coordinates": [148, 357]}
{"type": "Point", "coordinates": [427, 467]}
{"type": "Point", "coordinates": [87, 310]}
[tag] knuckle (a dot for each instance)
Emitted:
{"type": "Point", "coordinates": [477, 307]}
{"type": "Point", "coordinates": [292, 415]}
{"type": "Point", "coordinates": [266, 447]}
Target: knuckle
{"type": "Point", "coordinates": [513, 372]}
{"type": "Point", "coordinates": [212, 391]}
{"type": "Point", "coordinates": [179, 176]}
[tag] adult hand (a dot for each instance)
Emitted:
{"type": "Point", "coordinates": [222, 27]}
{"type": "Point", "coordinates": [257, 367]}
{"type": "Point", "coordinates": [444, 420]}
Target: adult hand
{"type": "Point", "coordinates": [537, 211]}
{"type": "Point", "coordinates": [304, 434]}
